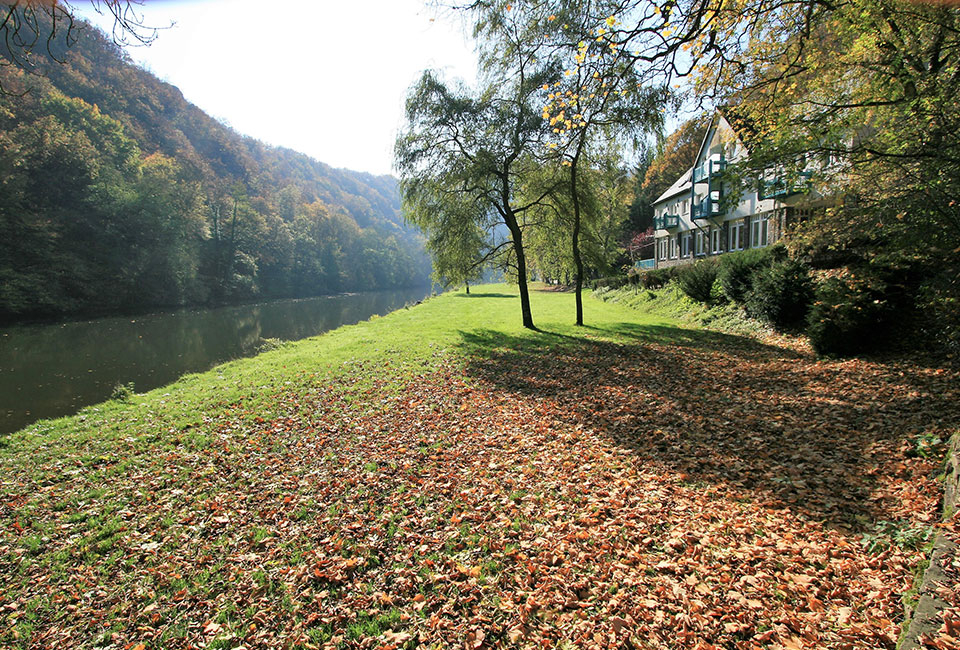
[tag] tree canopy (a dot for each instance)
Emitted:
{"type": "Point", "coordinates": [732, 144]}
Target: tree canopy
{"type": "Point", "coordinates": [462, 158]}
{"type": "Point", "coordinates": [118, 195]}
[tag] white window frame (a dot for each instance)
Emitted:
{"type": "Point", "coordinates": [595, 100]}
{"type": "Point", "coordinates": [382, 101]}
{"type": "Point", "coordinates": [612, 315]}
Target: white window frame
{"type": "Point", "coordinates": [662, 248]}
{"type": "Point", "coordinates": [715, 241]}
{"type": "Point", "coordinates": [674, 248]}
{"type": "Point", "coordinates": [686, 245]}
{"type": "Point", "coordinates": [759, 231]}
{"type": "Point", "coordinates": [735, 238]}
{"type": "Point", "coordinates": [700, 245]}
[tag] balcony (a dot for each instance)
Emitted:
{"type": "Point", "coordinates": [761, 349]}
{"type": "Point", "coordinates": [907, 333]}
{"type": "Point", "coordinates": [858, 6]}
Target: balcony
{"type": "Point", "coordinates": [666, 221]}
{"type": "Point", "coordinates": [707, 209]}
{"type": "Point", "coordinates": [644, 265]}
{"type": "Point", "coordinates": [711, 168]}
{"type": "Point", "coordinates": [779, 187]}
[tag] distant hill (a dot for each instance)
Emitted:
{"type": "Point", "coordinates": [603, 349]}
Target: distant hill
{"type": "Point", "coordinates": [117, 194]}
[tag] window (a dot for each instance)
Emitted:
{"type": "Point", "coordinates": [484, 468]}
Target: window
{"type": "Point", "coordinates": [758, 235]}
{"type": "Point", "coordinates": [701, 248]}
{"type": "Point", "coordinates": [673, 247]}
{"type": "Point", "coordinates": [685, 245]}
{"type": "Point", "coordinates": [736, 235]}
{"type": "Point", "coordinates": [686, 206]}
{"type": "Point", "coordinates": [662, 248]}
{"type": "Point", "coordinates": [715, 241]}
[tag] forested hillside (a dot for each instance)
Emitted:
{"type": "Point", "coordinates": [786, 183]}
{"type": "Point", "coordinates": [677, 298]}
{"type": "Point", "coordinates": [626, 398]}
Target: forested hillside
{"type": "Point", "coordinates": [116, 194]}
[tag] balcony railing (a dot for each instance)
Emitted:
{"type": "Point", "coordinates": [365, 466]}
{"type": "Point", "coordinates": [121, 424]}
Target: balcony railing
{"type": "Point", "coordinates": [709, 169]}
{"type": "Point", "coordinates": [666, 221]}
{"type": "Point", "coordinates": [773, 188]}
{"type": "Point", "coordinates": [645, 264]}
{"type": "Point", "coordinates": [706, 209]}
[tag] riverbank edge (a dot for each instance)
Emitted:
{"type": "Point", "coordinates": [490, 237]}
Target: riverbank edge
{"type": "Point", "coordinates": [183, 403]}
{"type": "Point", "coordinates": [159, 310]}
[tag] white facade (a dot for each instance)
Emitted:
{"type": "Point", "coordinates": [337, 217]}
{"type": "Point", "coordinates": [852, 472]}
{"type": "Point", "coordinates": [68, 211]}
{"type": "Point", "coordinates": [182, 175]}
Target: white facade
{"type": "Point", "coordinates": [689, 219]}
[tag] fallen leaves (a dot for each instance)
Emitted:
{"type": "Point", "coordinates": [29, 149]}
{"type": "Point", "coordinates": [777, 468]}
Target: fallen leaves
{"type": "Point", "coordinates": [599, 494]}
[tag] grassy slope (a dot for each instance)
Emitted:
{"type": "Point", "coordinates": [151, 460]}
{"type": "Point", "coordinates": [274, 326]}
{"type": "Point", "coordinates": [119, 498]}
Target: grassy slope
{"type": "Point", "coordinates": [671, 302]}
{"type": "Point", "coordinates": [441, 476]}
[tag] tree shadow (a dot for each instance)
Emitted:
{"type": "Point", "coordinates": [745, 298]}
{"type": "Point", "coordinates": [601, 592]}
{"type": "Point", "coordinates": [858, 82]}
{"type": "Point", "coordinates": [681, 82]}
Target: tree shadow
{"type": "Point", "coordinates": [789, 431]}
{"type": "Point", "coordinates": [485, 295]}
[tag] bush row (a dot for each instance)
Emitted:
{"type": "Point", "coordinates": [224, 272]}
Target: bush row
{"type": "Point", "coordinates": [857, 312]}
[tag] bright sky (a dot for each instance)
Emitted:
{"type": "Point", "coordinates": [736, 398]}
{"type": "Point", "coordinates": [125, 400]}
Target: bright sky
{"type": "Point", "coordinates": [325, 78]}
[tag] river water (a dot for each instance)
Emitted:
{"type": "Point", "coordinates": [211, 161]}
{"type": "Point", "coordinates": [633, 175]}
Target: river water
{"type": "Point", "coordinates": [54, 370]}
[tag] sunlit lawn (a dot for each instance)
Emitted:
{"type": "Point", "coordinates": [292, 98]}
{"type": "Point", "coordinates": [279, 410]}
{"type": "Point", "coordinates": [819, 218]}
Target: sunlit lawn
{"type": "Point", "coordinates": [441, 477]}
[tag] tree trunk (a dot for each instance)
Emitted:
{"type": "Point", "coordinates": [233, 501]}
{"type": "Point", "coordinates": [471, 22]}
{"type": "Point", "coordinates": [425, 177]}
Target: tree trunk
{"type": "Point", "coordinates": [468, 287]}
{"type": "Point", "coordinates": [577, 260]}
{"type": "Point", "coordinates": [527, 315]}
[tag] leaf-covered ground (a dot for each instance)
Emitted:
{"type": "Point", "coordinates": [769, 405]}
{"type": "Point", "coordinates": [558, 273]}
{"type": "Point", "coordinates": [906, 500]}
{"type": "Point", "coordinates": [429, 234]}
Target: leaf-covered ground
{"type": "Point", "coordinates": [629, 485]}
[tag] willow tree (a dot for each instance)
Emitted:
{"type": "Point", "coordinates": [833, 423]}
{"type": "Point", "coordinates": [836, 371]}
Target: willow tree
{"type": "Point", "coordinates": [458, 244]}
{"type": "Point", "coordinates": [462, 158]}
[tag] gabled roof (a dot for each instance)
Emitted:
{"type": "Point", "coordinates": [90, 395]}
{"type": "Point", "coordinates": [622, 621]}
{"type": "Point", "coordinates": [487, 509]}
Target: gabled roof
{"type": "Point", "coordinates": [707, 137]}
{"type": "Point", "coordinates": [679, 186]}
{"type": "Point", "coordinates": [742, 126]}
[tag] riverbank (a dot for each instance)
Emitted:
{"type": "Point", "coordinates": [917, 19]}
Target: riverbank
{"type": "Point", "coordinates": [442, 477]}
{"type": "Point", "coordinates": [54, 370]}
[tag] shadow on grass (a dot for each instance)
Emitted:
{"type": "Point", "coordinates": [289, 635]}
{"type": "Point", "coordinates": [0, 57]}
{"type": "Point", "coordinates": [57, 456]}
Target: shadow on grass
{"type": "Point", "coordinates": [485, 295]}
{"type": "Point", "coordinates": [729, 411]}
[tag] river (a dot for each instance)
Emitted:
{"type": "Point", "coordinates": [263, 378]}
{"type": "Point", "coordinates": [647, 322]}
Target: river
{"type": "Point", "coordinates": [54, 370]}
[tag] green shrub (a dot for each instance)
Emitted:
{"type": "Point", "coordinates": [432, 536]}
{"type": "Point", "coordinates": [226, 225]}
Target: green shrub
{"type": "Point", "coordinates": [780, 294]}
{"type": "Point", "coordinates": [736, 269]}
{"type": "Point", "coordinates": [717, 297]}
{"type": "Point", "coordinates": [849, 317]}
{"type": "Point", "coordinates": [123, 392]}
{"type": "Point", "coordinates": [696, 280]}
{"type": "Point", "coordinates": [611, 282]}
{"type": "Point", "coordinates": [269, 344]}
{"type": "Point", "coordinates": [938, 307]}
{"type": "Point", "coordinates": [656, 278]}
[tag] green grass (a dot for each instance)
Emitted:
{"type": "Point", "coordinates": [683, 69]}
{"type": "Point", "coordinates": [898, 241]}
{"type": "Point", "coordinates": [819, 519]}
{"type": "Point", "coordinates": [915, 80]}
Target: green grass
{"type": "Point", "coordinates": [93, 461]}
{"type": "Point", "coordinates": [403, 343]}
{"type": "Point", "coordinates": [671, 303]}
{"type": "Point", "coordinates": [349, 487]}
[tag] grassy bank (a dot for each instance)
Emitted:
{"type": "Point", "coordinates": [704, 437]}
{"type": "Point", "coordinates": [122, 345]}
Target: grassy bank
{"type": "Point", "coordinates": [441, 477]}
{"type": "Point", "coordinates": [670, 302]}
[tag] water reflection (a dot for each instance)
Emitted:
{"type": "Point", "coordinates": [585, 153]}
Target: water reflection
{"type": "Point", "coordinates": [53, 370]}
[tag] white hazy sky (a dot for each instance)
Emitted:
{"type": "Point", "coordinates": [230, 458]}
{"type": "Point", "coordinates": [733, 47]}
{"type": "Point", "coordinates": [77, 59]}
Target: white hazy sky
{"type": "Point", "coordinates": [327, 78]}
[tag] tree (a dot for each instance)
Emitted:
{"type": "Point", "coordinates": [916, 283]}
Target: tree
{"type": "Point", "coordinates": [676, 155]}
{"type": "Point", "coordinates": [457, 248]}
{"type": "Point", "coordinates": [640, 244]}
{"type": "Point", "coordinates": [868, 104]}
{"type": "Point", "coordinates": [641, 208]}
{"type": "Point", "coordinates": [612, 188]}
{"type": "Point", "coordinates": [32, 30]}
{"type": "Point", "coordinates": [461, 159]}
{"type": "Point", "coordinates": [866, 88]}
{"type": "Point", "coordinates": [598, 95]}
